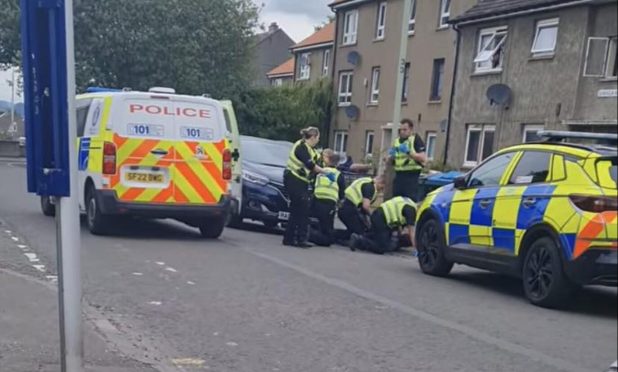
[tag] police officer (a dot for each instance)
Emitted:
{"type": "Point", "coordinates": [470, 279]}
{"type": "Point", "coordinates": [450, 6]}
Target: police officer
{"type": "Point", "coordinates": [326, 196]}
{"type": "Point", "coordinates": [301, 167]}
{"type": "Point", "coordinates": [408, 157]}
{"type": "Point", "coordinates": [392, 216]}
{"type": "Point", "coordinates": [356, 206]}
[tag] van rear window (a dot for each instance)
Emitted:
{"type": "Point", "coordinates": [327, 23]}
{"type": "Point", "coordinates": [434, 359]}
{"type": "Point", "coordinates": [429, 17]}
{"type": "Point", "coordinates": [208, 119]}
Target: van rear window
{"type": "Point", "coordinates": [607, 170]}
{"type": "Point", "coordinates": [170, 119]}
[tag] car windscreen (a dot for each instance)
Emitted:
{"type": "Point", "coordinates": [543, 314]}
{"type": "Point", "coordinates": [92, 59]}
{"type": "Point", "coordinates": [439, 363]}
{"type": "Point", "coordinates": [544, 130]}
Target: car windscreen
{"type": "Point", "coordinates": [607, 169]}
{"type": "Point", "coordinates": [266, 152]}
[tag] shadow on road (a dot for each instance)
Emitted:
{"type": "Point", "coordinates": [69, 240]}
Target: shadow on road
{"type": "Point", "coordinates": [135, 228]}
{"type": "Point", "coordinates": [258, 228]}
{"type": "Point", "coordinates": [594, 300]}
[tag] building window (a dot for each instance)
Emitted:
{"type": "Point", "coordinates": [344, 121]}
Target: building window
{"type": "Point", "coordinates": [341, 141]}
{"type": "Point", "coordinates": [432, 137]}
{"type": "Point", "coordinates": [611, 69]}
{"type": "Point", "coordinates": [601, 57]}
{"type": "Point", "coordinates": [490, 56]}
{"type": "Point", "coordinates": [406, 81]}
{"type": "Point", "coordinates": [445, 13]}
{"type": "Point", "coordinates": [479, 144]}
{"type": "Point", "coordinates": [350, 27]}
{"type": "Point", "coordinates": [375, 85]}
{"type": "Point", "coordinates": [305, 66]}
{"type": "Point", "coordinates": [437, 80]}
{"type": "Point", "coordinates": [278, 82]}
{"type": "Point", "coordinates": [325, 62]}
{"type": "Point", "coordinates": [381, 21]}
{"type": "Point", "coordinates": [369, 135]}
{"type": "Point", "coordinates": [545, 37]}
{"type": "Point", "coordinates": [345, 88]}
{"type": "Point", "coordinates": [412, 21]}
{"type": "Point", "coordinates": [530, 133]}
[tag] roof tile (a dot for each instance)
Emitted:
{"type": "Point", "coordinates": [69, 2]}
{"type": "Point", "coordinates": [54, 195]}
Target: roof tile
{"type": "Point", "coordinates": [325, 35]}
{"type": "Point", "coordinates": [286, 68]}
{"type": "Point", "coordinates": [488, 8]}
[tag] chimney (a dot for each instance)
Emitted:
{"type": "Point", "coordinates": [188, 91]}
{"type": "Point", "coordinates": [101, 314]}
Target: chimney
{"type": "Point", "coordinates": [273, 27]}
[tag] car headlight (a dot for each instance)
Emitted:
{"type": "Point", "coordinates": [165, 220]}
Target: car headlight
{"type": "Point", "coordinates": [254, 178]}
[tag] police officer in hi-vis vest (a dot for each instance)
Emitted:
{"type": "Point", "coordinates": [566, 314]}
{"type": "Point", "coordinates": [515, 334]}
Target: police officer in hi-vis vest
{"type": "Point", "coordinates": [301, 168]}
{"type": "Point", "coordinates": [357, 204]}
{"type": "Point", "coordinates": [392, 216]}
{"type": "Point", "coordinates": [326, 196]}
{"type": "Point", "coordinates": [408, 157]}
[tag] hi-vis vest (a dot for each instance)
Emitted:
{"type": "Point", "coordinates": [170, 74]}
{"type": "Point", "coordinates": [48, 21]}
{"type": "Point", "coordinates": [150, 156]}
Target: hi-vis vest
{"type": "Point", "coordinates": [297, 167]}
{"type": "Point", "coordinates": [354, 192]}
{"type": "Point", "coordinates": [326, 189]}
{"type": "Point", "coordinates": [403, 162]}
{"type": "Point", "coordinates": [393, 211]}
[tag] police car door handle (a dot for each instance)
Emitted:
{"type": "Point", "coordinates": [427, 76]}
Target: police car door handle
{"type": "Point", "coordinates": [485, 203]}
{"type": "Point", "coordinates": [159, 152]}
{"type": "Point", "coordinates": [529, 202]}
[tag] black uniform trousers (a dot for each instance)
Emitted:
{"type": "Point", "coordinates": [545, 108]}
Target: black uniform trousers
{"type": "Point", "coordinates": [297, 230]}
{"type": "Point", "coordinates": [324, 234]}
{"type": "Point", "coordinates": [379, 239]}
{"type": "Point", "coordinates": [406, 184]}
{"type": "Point", "coordinates": [352, 218]}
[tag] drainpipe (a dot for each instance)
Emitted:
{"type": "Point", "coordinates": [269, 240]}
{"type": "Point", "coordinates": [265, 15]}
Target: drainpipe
{"type": "Point", "coordinates": [452, 99]}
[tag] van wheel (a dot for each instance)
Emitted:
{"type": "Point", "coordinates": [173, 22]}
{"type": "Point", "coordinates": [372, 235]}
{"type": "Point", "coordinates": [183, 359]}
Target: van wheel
{"type": "Point", "coordinates": [98, 224]}
{"type": "Point", "coordinates": [47, 207]}
{"type": "Point", "coordinates": [545, 283]}
{"type": "Point", "coordinates": [431, 247]}
{"type": "Point", "coordinates": [212, 228]}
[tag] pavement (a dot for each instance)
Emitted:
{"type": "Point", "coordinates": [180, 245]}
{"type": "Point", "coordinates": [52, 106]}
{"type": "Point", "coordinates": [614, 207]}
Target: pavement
{"type": "Point", "coordinates": [158, 296]}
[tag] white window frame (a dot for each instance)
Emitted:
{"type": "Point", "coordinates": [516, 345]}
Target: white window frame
{"type": "Point", "coordinates": [325, 62]}
{"type": "Point", "coordinates": [540, 25]}
{"type": "Point", "coordinates": [604, 69]}
{"type": "Point", "coordinates": [434, 136]}
{"type": "Point", "coordinates": [381, 21]}
{"type": "Point", "coordinates": [445, 13]}
{"type": "Point", "coordinates": [612, 47]}
{"type": "Point", "coordinates": [369, 134]}
{"type": "Point", "coordinates": [277, 82]}
{"type": "Point", "coordinates": [412, 20]}
{"type": "Point", "coordinates": [374, 95]}
{"type": "Point", "coordinates": [477, 128]}
{"type": "Point", "coordinates": [341, 140]}
{"type": "Point", "coordinates": [305, 67]}
{"type": "Point", "coordinates": [530, 128]}
{"type": "Point", "coordinates": [483, 54]}
{"type": "Point", "coordinates": [344, 96]}
{"type": "Point", "coordinates": [350, 27]}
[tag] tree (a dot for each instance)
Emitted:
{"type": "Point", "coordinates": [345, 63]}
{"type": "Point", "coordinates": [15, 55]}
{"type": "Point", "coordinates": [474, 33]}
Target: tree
{"type": "Point", "coordinates": [280, 113]}
{"type": "Point", "coordinates": [195, 46]}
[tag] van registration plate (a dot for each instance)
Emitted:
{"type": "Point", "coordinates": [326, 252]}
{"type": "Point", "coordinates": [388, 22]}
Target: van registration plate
{"type": "Point", "coordinates": [144, 177]}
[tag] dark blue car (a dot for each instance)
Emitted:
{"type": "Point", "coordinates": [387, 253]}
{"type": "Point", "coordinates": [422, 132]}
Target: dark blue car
{"type": "Point", "coordinates": [263, 196]}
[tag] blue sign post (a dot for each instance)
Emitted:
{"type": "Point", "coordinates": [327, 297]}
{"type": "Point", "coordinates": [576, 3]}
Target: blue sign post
{"type": "Point", "coordinates": [49, 88]}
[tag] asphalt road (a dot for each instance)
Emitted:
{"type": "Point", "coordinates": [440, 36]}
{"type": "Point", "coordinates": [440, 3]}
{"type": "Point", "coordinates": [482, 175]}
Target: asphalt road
{"type": "Point", "coordinates": [246, 303]}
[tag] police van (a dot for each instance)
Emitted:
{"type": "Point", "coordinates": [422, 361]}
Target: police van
{"type": "Point", "coordinates": [155, 154]}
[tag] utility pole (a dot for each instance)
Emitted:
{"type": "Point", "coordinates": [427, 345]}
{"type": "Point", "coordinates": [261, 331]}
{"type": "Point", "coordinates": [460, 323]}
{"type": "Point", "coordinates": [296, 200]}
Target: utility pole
{"type": "Point", "coordinates": [12, 95]}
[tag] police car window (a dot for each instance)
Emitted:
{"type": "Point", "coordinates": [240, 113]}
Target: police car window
{"type": "Point", "coordinates": [228, 122]}
{"type": "Point", "coordinates": [533, 167]}
{"type": "Point", "coordinates": [82, 114]}
{"type": "Point", "coordinates": [490, 173]}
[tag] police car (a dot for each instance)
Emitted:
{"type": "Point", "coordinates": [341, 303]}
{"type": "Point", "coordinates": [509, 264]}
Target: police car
{"type": "Point", "coordinates": [544, 212]}
{"type": "Point", "coordinates": [155, 154]}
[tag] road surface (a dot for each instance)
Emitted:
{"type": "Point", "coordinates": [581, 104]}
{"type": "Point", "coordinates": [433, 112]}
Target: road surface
{"type": "Point", "coordinates": [246, 303]}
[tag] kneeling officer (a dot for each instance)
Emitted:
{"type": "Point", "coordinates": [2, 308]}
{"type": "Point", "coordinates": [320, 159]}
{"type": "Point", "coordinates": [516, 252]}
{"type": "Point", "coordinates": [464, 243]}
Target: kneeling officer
{"type": "Point", "coordinates": [357, 204]}
{"type": "Point", "coordinates": [392, 216]}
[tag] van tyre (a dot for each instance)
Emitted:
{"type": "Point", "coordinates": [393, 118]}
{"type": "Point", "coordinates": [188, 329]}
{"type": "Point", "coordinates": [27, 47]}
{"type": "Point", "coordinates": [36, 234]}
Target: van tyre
{"type": "Point", "coordinates": [98, 223]}
{"type": "Point", "coordinates": [545, 283]}
{"type": "Point", "coordinates": [47, 207]}
{"type": "Point", "coordinates": [431, 247]}
{"type": "Point", "coordinates": [212, 228]}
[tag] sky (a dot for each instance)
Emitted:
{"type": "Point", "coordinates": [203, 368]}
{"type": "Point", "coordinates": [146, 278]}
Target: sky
{"type": "Point", "coordinates": [5, 90]}
{"type": "Point", "coordinates": [296, 17]}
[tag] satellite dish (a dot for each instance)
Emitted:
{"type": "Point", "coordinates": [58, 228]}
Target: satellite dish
{"type": "Point", "coordinates": [352, 112]}
{"type": "Point", "coordinates": [354, 58]}
{"type": "Point", "coordinates": [499, 94]}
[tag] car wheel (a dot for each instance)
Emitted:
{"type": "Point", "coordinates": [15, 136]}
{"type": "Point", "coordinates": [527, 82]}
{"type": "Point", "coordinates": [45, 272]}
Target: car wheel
{"type": "Point", "coordinates": [98, 223]}
{"type": "Point", "coordinates": [47, 207]}
{"type": "Point", "coordinates": [431, 247]}
{"type": "Point", "coordinates": [545, 283]}
{"type": "Point", "coordinates": [212, 228]}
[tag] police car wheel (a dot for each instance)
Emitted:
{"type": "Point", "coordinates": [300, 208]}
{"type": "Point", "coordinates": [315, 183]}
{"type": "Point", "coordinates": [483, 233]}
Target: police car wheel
{"type": "Point", "coordinates": [98, 224]}
{"type": "Point", "coordinates": [545, 283]}
{"type": "Point", "coordinates": [431, 246]}
{"type": "Point", "coordinates": [212, 228]}
{"type": "Point", "coordinates": [47, 207]}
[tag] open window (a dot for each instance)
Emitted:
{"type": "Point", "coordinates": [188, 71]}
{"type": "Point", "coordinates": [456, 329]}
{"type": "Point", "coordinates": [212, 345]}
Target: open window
{"type": "Point", "coordinates": [490, 55]}
{"type": "Point", "coordinates": [601, 58]}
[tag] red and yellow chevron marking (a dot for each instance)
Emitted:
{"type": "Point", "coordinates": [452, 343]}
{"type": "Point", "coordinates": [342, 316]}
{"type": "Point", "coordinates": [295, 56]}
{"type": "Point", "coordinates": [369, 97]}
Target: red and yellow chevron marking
{"type": "Point", "coordinates": [192, 180]}
{"type": "Point", "coordinates": [591, 231]}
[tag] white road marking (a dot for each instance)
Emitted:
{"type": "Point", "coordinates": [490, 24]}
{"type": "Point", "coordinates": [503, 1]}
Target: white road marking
{"type": "Point", "coordinates": [138, 274]}
{"type": "Point", "coordinates": [231, 343]}
{"type": "Point", "coordinates": [171, 269]}
{"type": "Point", "coordinates": [160, 263]}
{"type": "Point", "coordinates": [155, 303]}
{"type": "Point", "coordinates": [8, 232]}
{"type": "Point", "coordinates": [21, 246]}
{"type": "Point", "coordinates": [40, 268]}
{"type": "Point", "coordinates": [31, 257]}
{"type": "Point", "coordinates": [15, 239]}
{"type": "Point", "coordinates": [188, 362]}
{"type": "Point", "coordinates": [52, 278]}
{"type": "Point", "coordinates": [190, 283]}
